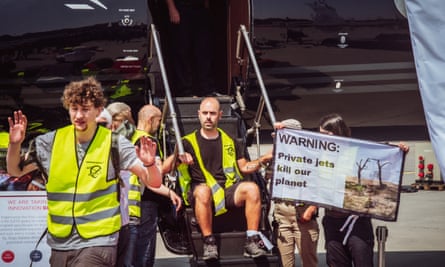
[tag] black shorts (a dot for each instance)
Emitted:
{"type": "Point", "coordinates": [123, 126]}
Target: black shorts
{"type": "Point", "coordinates": [229, 196]}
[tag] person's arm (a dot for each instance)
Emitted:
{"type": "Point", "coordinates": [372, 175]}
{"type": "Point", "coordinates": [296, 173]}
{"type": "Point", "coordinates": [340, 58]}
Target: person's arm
{"type": "Point", "coordinates": [172, 161]}
{"type": "Point", "coordinates": [247, 167]}
{"type": "Point", "coordinates": [175, 18]}
{"type": "Point", "coordinates": [164, 190]}
{"type": "Point", "coordinates": [17, 132]}
{"type": "Point", "coordinates": [244, 165]}
{"type": "Point", "coordinates": [148, 172]}
{"type": "Point", "coordinates": [168, 164]}
{"type": "Point", "coordinates": [167, 192]}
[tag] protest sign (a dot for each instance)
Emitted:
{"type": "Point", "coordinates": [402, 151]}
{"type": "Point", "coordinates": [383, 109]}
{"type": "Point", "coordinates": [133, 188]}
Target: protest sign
{"type": "Point", "coordinates": [22, 223]}
{"type": "Point", "coordinates": [358, 176]}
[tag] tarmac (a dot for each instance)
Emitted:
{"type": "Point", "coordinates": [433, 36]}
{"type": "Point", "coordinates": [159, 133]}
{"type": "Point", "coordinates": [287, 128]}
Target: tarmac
{"type": "Point", "coordinates": [415, 239]}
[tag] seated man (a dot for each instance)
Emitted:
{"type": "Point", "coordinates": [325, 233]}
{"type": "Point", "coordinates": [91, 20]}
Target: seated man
{"type": "Point", "coordinates": [210, 174]}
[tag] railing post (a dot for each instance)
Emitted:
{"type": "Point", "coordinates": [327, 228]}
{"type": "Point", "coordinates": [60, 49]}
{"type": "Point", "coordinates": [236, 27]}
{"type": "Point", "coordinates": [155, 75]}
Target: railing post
{"type": "Point", "coordinates": [157, 46]}
{"type": "Point", "coordinates": [264, 100]}
{"type": "Point", "coordinates": [258, 73]}
{"type": "Point", "coordinates": [382, 234]}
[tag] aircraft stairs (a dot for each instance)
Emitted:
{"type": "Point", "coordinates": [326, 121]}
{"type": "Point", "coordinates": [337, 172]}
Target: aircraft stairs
{"type": "Point", "coordinates": [229, 228]}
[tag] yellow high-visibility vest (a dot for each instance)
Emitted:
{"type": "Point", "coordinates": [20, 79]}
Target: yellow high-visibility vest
{"type": "Point", "coordinates": [82, 196]}
{"type": "Point", "coordinates": [230, 168]}
{"type": "Point", "coordinates": [4, 139]}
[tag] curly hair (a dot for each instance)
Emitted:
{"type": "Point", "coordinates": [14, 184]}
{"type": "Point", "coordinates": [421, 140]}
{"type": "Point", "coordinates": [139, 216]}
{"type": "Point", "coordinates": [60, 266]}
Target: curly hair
{"type": "Point", "coordinates": [80, 92]}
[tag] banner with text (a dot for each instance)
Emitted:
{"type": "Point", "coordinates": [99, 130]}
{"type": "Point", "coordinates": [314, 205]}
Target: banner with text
{"type": "Point", "coordinates": [22, 223]}
{"type": "Point", "coordinates": [359, 176]}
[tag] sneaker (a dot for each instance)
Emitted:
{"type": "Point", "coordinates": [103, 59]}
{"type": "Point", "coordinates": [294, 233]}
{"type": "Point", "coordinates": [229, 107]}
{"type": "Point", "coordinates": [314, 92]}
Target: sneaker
{"type": "Point", "coordinates": [254, 247]}
{"type": "Point", "coordinates": [210, 250]}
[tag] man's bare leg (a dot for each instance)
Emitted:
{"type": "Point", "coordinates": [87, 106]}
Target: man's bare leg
{"type": "Point", "coordinates": [248, 194]}
{"type": "Point", "coordinates": [204, 216]}
{"type": "Point", "coordinates": [203, 208]}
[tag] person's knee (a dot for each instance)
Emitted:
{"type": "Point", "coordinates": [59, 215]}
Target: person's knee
{"type": "Point", "coordinates": [334, 247]}
{"type": "Point", "coordinates": [202, 194]}
{"type": "Point", "coordinates": [361, 251]}
{"type": "Point", "coordinates": [336, 254]}
{"type": "Point", "coordinates": [359, 247]}
{"type": "Point", "coordinates": [250, 190]}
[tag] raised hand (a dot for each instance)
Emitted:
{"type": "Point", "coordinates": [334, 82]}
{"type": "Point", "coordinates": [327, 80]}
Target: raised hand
{"type": "Point", "coordinates": [17, 127]}
{"type": "Point", "coordinates": [147, 151]}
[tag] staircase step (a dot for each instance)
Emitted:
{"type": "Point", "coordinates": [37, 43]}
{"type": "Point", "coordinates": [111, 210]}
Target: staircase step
{"type": "Point", "coordinates": [230, 248]}
{"type": "Point", "coordinates": [229, 244]}
{"type": "Point", "coordinates": [229, 230]}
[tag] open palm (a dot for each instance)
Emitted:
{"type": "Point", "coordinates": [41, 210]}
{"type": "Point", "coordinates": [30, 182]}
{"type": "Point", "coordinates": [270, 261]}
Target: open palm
{"type": "Point", "coordinates": [17, 127]}
{"type": "Point", "coordinates": [147, 150]}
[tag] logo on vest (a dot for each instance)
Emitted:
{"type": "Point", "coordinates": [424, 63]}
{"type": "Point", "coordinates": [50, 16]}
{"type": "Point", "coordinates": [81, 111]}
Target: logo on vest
{"type": "Point", "coordinates": [95, 171]}
{"type": "Point", "coordinates": [229, 150]}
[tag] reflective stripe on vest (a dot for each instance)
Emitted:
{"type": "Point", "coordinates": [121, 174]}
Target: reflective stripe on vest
{"type": "Point", "coordinates": [86, 198]}
{"type": "Point", "coordinates": [230, 168]}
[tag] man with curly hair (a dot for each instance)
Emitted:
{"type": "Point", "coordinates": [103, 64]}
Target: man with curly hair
{"type": "Point", "coordinates": [83, 182]}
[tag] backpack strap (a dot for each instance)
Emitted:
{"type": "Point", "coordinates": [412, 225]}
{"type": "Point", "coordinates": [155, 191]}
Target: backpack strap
{"type": "Point", "coordinates": [115, 161]}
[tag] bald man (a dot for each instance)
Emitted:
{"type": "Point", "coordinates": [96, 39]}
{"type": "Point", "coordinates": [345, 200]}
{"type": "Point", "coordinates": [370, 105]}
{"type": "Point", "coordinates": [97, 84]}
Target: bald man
{"type": "Point", "coordinates": [211, 180]}
{"type": "Point", "coordinates": [149, 119]}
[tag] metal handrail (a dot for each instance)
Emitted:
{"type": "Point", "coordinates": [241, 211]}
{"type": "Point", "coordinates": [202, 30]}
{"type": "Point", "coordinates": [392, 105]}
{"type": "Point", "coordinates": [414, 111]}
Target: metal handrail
{"type": "Point", "coordinates": [264, 100]}
{"type": "Point", "coordinates": [258, 73]}
{"type": "Point", "coordinates": [169, 100]}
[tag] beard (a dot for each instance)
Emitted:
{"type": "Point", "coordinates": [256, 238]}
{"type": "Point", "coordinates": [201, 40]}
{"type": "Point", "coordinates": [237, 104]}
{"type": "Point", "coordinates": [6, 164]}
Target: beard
{"type": "Point", "coordinates": [208, 125]}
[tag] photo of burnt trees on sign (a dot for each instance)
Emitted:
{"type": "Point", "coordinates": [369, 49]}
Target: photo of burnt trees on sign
{"type": "Point", "coordinates": [369, 191]}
